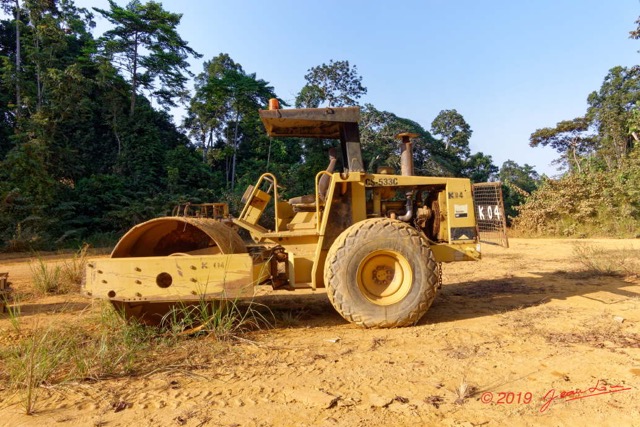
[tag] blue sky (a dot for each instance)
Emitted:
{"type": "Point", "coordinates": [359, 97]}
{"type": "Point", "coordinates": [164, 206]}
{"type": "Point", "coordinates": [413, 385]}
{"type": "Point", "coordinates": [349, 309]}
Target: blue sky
{"type": "Point", "coordinates": [509, 67]}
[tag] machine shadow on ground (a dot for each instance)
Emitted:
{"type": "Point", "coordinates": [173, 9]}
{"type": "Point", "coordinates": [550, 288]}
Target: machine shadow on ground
{"type": "Point", "coordinates": [474, 299]}
{"type": "Point", "coordinates": [34, 309]}
{"type": "Point", "coordinates": [458, 301]}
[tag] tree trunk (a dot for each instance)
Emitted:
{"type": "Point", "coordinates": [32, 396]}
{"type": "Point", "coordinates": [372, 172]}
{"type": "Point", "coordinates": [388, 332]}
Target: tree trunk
{"type": "Point", "coordinates": [134, 78]}
{"type": "Point", "coordinates": [577, 161]}
{"type": "Point", "coordinates": [235, 150]}
{"type": "Point", "coordinates": [574, 144]}
{"type": "Point", "coordinates": [208, 144]}
{"type": "Point", "coordinates": [38, 76]}
{"type": "Point", "coordinates": [115, 131]}
{"type": "Point", "coordinates": [18, 62]}
{"type": "Point", "coordinates": [226, 172]}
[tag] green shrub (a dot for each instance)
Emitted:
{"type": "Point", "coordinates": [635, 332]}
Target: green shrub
{"type": "Point", "coordinates": [594, 203]}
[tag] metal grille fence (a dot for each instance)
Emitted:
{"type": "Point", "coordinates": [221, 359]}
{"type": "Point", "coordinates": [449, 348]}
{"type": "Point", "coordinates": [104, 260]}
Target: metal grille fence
{"type": "Point", "coordinates": [490, 217]}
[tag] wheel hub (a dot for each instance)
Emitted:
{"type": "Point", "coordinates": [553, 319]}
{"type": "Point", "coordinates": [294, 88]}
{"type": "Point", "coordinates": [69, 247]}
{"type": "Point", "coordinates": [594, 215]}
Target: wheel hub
{"type": "Point", "coordinates": [384, 277]}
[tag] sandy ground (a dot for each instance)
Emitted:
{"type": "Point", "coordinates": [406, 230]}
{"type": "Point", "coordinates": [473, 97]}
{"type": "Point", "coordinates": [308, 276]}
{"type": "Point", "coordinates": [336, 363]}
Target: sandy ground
{"type": "Point", "coordinates": [536, 338]}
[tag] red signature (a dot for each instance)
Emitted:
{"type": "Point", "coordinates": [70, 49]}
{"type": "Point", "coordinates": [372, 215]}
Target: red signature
{"type": "Point", "coordinates": [568, 395]}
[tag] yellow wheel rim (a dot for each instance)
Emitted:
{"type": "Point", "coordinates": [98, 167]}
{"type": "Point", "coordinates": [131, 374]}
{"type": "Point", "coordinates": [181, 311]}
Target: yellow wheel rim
{"type": "Point", "coordinates": [384, 277]}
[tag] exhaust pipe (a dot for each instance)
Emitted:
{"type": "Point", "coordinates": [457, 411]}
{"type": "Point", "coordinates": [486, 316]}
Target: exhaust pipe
{"type": "Point", "coordinates": [406, 153]}
{"type": "Point", "coordinates": [406, 168]}
{"type": "Point", "coordinates": [409, 214]}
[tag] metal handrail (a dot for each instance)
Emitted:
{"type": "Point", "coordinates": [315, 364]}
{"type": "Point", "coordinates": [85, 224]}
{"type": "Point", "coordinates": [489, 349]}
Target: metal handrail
{"type": "Point", "coordinates": [269, 177]}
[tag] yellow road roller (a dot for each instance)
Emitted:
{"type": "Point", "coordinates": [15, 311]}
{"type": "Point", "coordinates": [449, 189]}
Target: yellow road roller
{"type": "Point", "coordinates": [375, 241]}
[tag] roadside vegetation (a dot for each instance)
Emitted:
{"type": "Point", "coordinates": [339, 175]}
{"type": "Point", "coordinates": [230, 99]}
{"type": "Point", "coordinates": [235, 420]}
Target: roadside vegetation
{"type": "Point", "coordinates": [100, 344]}
{"type": "Point", "coordinates": [624, 262]}
{"type": "Point", "coordinates": [59, 278]}
{"type": "Point", "coordinates": [600, 203]}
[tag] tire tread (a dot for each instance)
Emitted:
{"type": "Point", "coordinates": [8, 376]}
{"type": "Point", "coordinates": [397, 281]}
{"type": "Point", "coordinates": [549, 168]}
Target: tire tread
{"type": "Point", "coordinates": [338, 255]}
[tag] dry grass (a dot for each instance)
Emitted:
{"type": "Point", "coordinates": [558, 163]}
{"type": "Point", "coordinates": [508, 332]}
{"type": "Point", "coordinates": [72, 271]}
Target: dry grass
{"type": "Point", "coordinates": [377, 342]}
{"type": "Point", "coordinates": [601, 331]}
{"type": "Point", "coordinates": [624, 262]}
{"type": "Point", "coordinates": [289, 318]}
{"type": "Point", "coordinates": [46, 278]}
{"type": "Point", "coordinates": [33, 362]}
{"type": "Point", "coordinates": [13, 310]}
{"type": "Point", "coordinates": [103, 345]}
{"type": "Point", "coordinates": [531, 318]}
{"type": "Point", "coordinates": [59, 279]}
{"type": "Point", "coordinates": [73, 270]}
{"type": "Point", "coordinates": [464, 391]}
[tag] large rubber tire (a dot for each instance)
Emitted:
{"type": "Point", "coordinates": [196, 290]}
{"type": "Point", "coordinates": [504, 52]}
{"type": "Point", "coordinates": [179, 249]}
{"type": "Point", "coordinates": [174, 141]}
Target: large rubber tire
{"type": "Point", "coordinates": [380, 273]}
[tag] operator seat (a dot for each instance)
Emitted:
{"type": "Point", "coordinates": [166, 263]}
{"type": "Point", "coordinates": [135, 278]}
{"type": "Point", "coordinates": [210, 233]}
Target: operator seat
{"type": "Point", "coordinates": [307, 202]}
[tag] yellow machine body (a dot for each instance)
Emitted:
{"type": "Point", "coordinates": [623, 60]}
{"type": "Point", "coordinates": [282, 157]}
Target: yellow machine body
{"type": "Point", "coordinates": [195, 255]}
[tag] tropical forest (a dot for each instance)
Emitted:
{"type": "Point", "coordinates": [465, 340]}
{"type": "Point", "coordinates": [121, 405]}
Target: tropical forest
{"type": "Point", "coordinates": [89, 146]}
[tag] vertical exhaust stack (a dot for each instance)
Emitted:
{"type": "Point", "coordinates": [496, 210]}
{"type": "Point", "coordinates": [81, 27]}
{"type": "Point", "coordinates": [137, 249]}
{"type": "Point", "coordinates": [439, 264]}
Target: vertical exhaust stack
{"type": "Point", "coordinates": [406, 153]}
{"type": "Point", "coordinates": [406, 168]}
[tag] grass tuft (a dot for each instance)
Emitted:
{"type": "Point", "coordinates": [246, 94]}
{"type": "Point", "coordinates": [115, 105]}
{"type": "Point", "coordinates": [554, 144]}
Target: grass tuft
{"type": "Point", "coordinates": [225, 320]}
{"type": "Point", "coordinates": [59, 279]}
{"type": "Point", "coordinates": [46, 278]}
{"type": "Point", "coordinates": [625, 262]}
{"type": "Point", "coordinates": [13, 309]}
{"type": "Point", "coordinates": [108, 346]}
{"type": "Point", "coordinates": [104, 347]}
{"type": "Point", "coordinates": [289, 318]}
{"type": "Point", "coordinates": [72, 271]}
{"type": "Point", "coordinates": [464, 391]}
{"type": "Point", "coordinates": [32, 363]}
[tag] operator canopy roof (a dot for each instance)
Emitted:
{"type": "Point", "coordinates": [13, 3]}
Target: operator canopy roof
{"type": "Point", "coordinates": [326, 123]}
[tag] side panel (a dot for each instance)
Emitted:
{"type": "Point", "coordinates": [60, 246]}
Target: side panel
{"type": "Point", "coordinates": [175, 278]}
{"type": "Point", "coordinates": [460, 212]}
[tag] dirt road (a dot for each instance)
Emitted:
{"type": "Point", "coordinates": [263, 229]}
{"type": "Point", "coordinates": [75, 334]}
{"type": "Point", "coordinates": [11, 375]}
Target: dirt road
{"type": "Point", "coordinates": [527, 336]}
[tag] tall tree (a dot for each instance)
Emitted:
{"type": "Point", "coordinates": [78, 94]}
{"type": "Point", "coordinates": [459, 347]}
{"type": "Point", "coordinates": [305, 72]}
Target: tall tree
{"type": "Point", "coordinates": [8, 6]}
{"type": "Point", "coordinates": [378, 131]}
{"type": "Point", "coordinates": [336, 83]}
{"type": "Point", "coordinates": [209, 107]}
{"type": "Point", "coordinates": [573, 139]}
{"type": "Point", "coordinates": [75, 161]}
{"type": "Point", "coordinates": [225, 97]}
{"type": "Point", "coordinates": [608, 130]}
{"type": "Point", "coordinates": [518, 183]}
{"type": "Point", "coordinates": [611, 111]}
{"type": "Point", "coordinates": [454, 130]}
{"type": "Point", "coordinates": [50, 35]}
{"type": "Point", "coordinates": [145, 44]}
{"type": "Point", "coordinates": [479, 167]}
{"type": "Point", "coordinates": [525, 177]}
